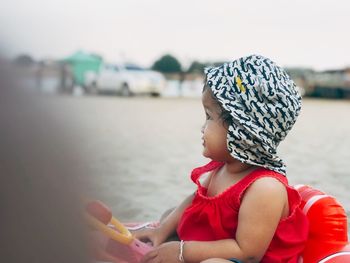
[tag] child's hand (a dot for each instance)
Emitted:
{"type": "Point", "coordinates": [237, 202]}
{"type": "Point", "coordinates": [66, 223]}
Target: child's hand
{"type": "Point", "coordinates": [153, 235]}
{"type": "Point", "coordinates": [165, 253]}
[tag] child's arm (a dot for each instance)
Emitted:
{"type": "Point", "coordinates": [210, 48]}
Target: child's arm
{"type": "Point", "coordinates": [260, 212]}
{"type": "Point", "coordinates": [167, 226]}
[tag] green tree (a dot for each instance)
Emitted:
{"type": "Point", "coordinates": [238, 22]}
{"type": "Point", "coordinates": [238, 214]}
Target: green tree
{"type": "Point", "coordinates": [167, 64]}
{"type": "Point", "coordinates": [196, 67]}
{"type": "Point", "coordinates": [218, 63]}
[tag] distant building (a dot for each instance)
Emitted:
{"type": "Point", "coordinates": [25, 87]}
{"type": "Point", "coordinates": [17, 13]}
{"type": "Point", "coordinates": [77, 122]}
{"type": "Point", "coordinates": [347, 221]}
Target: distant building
{"type": "Point", "coordinates": [328, 83]}
{"type": "Point", "coordinates": [81, 62]}
{"type": "Point", "coordinates": [331, 84]}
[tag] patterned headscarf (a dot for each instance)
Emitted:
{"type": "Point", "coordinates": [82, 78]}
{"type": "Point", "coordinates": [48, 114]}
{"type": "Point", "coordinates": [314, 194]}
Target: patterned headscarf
{"type": "Point", "coordinates": [263, 102]}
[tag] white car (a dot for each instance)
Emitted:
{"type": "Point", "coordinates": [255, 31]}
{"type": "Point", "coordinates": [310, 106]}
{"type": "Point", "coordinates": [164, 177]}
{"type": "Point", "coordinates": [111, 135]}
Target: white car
{"type": "Point", "coordinates": [125, 79]}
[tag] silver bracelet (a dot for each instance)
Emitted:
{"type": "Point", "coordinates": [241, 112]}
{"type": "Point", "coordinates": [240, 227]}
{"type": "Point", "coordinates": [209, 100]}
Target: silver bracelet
{"type": "Point", "coordinates": [181, 255]}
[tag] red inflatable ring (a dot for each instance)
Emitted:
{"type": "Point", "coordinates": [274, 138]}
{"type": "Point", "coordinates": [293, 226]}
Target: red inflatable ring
{"type": "Point", "coordinates": [328, 234]}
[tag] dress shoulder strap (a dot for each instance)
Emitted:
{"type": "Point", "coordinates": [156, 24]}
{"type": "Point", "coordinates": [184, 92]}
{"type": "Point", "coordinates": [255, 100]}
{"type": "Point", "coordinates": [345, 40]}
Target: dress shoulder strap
{"type": "Point", "coordinates": [197, 172]}
{"type": "Point", "coordinates": [243, 184]}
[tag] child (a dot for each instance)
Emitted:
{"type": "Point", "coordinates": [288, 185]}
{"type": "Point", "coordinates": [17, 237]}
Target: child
{"type": "Point", "coordinates": [244, 210]}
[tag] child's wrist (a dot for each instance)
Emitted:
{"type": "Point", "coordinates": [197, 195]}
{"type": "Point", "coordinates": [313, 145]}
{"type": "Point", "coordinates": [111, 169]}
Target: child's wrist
{"type": "Point", "coordinates": [161, 234]}
{"type": "Point", "coordinates": [165, 231]}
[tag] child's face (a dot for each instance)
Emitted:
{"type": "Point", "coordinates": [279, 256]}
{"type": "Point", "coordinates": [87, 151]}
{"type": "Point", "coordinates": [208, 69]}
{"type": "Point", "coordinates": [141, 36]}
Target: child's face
{"type": "Point", "coordinates": [214, 132]}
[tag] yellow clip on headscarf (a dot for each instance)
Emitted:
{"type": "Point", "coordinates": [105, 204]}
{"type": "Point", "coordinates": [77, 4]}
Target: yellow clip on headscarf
{"type": "Point", "coordinates": [240, 84]}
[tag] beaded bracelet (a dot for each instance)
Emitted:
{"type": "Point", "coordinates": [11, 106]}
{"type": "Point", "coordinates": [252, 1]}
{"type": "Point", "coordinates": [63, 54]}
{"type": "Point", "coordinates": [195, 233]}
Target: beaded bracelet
{"type": "Point", "coordinates": [181, 256]}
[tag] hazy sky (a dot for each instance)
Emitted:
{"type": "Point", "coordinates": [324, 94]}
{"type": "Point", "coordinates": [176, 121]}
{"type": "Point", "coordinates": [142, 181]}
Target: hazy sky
{"type": "Point", "coordinates": [306, 33]}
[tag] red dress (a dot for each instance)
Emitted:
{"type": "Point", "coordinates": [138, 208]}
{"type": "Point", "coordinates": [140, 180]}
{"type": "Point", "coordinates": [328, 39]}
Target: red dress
{"type": "Point", "coordinates": [215, 218]}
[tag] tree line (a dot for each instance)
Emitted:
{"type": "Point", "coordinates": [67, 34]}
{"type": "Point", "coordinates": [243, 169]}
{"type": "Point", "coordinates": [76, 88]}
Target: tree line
{"type": "Point", "coordinates": [167, 64]}
{"type": "Point", "coordinates": [170, 64]}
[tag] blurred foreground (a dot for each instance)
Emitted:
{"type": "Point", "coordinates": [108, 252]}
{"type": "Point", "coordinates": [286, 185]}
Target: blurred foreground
{"type": "Point", "coordinates": [40, 190]}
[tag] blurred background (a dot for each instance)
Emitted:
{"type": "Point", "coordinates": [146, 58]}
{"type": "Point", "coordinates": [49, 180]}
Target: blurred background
{"type": "Point", "coordinates": [124, 80]}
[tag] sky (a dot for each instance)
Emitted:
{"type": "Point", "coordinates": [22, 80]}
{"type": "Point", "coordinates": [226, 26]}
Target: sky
{"type": "Point", "coordinates": [298, 33]}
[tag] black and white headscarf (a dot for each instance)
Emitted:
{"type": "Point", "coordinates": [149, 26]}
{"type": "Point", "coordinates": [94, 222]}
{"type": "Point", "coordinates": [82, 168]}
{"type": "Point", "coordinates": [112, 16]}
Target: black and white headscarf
{"type": "Point", "coordinates": [264, 104]}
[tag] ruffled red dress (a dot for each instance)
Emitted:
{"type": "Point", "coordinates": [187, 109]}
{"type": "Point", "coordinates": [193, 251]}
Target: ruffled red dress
{"type": "Point", "coordinates": [215, 218]}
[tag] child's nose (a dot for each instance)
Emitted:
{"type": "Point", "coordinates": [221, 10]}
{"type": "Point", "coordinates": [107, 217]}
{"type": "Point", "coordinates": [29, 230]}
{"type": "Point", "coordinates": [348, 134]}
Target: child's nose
{"type": "Point", "coordinates": [202, 129]}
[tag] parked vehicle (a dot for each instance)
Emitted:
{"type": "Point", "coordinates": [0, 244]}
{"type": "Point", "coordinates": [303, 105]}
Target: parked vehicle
{"type": "Point", "coordinates": [125, 79]}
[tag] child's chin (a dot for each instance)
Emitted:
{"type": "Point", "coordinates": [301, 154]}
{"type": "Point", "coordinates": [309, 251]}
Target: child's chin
{"type": "Point", "coordinates": [205, 154]}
